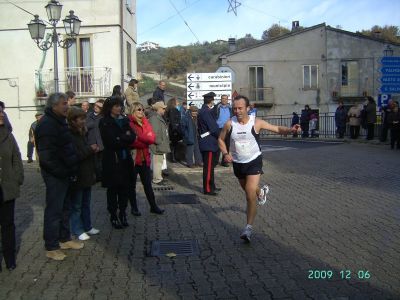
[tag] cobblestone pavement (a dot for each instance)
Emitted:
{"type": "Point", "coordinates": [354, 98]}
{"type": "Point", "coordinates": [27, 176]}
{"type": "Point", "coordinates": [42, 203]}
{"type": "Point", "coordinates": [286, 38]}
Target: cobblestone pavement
{"type": "Point", "coordinates": [331, 208]}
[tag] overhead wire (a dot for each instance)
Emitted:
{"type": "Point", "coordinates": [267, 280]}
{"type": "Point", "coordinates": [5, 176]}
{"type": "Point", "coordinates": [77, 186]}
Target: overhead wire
{"type": "Point", "coordinates": [170, 1]}
{"type": "Point", "coordinates": [167, 19]}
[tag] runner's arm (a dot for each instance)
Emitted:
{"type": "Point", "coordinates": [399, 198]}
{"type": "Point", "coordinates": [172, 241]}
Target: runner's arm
{"type": "Point", "coordinates": [221, 141]}
{"type": "Point", "coordinates": [261, 124]}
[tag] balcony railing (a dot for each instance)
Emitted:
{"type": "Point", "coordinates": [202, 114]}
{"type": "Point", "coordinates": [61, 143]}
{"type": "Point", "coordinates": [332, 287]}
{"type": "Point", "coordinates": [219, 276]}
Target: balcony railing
{"type": "Point", "coordinates": [265, 94]}
{"type": "Point", "coordinates": [83, 81]}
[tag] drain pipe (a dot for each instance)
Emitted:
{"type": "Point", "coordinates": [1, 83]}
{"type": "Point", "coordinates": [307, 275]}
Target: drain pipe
{"type": "Point", "coordinates": [121, 37]}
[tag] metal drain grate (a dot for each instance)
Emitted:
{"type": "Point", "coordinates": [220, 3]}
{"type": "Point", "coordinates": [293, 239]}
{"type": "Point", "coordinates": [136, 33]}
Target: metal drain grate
{"type": "Point", "coordinates": [185, 248]}
{"type": "Point", "coordinates": [178, 199]}
{"type": "Point", "coordinates": [163, 188]}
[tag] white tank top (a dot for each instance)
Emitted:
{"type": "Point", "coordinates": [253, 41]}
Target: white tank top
{"type": "Point", "coordinates": [244, 141]}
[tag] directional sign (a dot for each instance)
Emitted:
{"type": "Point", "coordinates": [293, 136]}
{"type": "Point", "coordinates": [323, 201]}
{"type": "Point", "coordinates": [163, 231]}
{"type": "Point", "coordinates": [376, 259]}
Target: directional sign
{"type": "Point", "coordinates": [209, 77]}
{"type": "Point", "coordinates": [390, 70]}
{"type": "Point", "coordinates": [390, 61]}
{"type": "Point", "coordinates": [390, 79]}
{"type": "Point", "coordinates": [198, 95]}
{"type": "Point", "coordinates": [390, 88]}
{"type": "Point", "coordinates": [199, 84]}
{"type": "Point", "coordinates": [209, 86]}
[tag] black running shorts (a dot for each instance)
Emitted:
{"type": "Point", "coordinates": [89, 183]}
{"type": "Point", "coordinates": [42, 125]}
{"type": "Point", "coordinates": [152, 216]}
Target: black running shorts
{"type": "Point", "coordinates": [253, 167]}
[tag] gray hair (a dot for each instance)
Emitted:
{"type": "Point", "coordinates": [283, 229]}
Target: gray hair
{"type": "Point", "coordinates": [55, 98]}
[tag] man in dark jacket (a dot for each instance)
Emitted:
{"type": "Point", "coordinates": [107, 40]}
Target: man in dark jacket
{"type": "Point", "coordinates": [31, 141]}
{"type": "Point", "coordinates": [58, 163]}
{"type": "Point", "coordinates": [371, 117]}
{"type": "Point", "coordinates": [208, 143]}
{"type": "Point", "coordinates": [340, 120]}
{"type": "Point", "coordinates": [158, 94]}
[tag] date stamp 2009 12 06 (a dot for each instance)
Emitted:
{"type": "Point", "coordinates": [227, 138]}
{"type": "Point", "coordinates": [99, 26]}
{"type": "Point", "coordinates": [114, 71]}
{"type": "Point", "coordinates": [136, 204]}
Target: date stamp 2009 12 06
{"type": "Point", "coordinates": [342, 274]}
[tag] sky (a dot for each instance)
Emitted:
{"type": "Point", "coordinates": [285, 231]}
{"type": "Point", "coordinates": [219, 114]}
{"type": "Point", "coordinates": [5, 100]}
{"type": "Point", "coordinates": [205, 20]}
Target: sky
{"type": "Point", "coordinates": [209, 20]}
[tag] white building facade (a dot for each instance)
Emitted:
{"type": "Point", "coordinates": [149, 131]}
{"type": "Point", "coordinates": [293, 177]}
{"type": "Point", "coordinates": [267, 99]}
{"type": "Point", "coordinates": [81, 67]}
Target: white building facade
{"type": "Point", "coordinates": [103, 55]}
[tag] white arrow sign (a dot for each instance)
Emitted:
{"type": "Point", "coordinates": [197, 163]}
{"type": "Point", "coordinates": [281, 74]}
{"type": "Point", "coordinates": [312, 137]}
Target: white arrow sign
{"type": "Point", "coordinates": [198, 95]}
{"type": "Point", "coordinates": [191, 77]}
{"type": "Point", "coordinates": [209, 86]}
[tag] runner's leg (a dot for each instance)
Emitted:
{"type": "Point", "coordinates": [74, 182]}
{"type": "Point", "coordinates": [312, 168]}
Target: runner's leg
{"type": "Point", "coordinates": [252, 182]}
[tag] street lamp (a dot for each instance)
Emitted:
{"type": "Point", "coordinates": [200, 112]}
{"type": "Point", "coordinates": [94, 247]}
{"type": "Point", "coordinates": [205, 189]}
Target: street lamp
{"type": "Point", "coordinates": [388, 51]}
{"type": "Point", "coordinates": [37, 28]}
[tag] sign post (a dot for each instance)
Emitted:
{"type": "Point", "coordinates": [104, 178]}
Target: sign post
{"type": "Point", "coordinates": [198, 84]}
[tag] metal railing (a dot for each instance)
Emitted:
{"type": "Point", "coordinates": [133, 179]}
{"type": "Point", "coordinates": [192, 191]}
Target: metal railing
{"type": "Point", "coordinates": [84, 81]}
{"type": "Point", "coordinates": [326, 127]}
{"type": "Point", "coordinates": [265, 94]}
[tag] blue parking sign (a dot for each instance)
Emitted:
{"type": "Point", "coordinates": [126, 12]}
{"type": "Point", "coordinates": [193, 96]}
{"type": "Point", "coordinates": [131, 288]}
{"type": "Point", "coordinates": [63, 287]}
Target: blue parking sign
{"type": "Point", "coordinates": [383, 99]}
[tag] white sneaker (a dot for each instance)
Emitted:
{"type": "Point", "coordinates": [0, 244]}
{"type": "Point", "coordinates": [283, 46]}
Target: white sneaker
{"type": "Point", "coordinates": [93, 231]}
{"type": "Point", "coordinates": [83, 237]}
{"type": "Point", "coordinates": [246, 234]}
{"type": "Point", "coordinates": [262, 197]}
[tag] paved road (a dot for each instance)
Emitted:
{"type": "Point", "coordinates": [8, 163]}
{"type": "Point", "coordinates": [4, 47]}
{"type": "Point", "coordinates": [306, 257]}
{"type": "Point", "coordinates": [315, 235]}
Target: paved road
{"type": "Point", "coordinates": [332, 208]}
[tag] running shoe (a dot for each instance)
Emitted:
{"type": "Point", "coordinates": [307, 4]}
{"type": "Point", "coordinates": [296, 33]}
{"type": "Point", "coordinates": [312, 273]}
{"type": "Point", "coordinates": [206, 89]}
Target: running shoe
{"type": "Point", "coordinates": [262, 197]}
{"type": "Point", "coordinates": [246, 234]}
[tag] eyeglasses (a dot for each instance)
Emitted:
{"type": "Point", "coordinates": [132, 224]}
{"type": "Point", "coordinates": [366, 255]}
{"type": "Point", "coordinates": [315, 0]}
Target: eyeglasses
{"type": "Point", "coordinates": [140, 109]}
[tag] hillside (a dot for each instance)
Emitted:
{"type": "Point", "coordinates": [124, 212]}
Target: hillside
{"type": "Point", "coordinates": [174, 62]}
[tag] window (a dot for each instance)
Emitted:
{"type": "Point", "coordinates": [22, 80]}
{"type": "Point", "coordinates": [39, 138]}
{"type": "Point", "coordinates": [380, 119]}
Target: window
{"type": "Point", "coordinates": [128, 58]}
{"type": "Point", "coordinates": [310, 77]}
{"type": "Point", "coordinates": [350, 78]}
{"type": "Point", "coordinates": [349, 73]}
{"type": "Point", "coordinates": [256, 83]}
{"type": "Point", "coordinates": [79, 66]}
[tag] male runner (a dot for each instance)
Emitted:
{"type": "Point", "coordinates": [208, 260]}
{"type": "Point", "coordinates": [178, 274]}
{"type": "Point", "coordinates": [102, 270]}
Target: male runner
{"type": "Point", "coordinates": [244, 151]}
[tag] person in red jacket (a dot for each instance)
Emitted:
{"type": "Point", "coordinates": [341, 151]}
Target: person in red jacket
{"type": "Point", "coordinates": [141, 154]}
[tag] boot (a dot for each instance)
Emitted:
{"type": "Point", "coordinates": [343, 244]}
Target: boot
{"type": "Point", "coordinates": [123, 220]}
{"type": "Point", "coordinates": [115, 222]}
{"type": "Point", "coordinates": [157, 210]}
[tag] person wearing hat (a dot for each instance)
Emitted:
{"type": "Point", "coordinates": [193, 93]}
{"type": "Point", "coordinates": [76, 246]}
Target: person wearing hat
{"type": "Point", "coordinates": [161, 145]}
{"type": "Point", "coordinates": [191, 137]}
{"type": "Point", "coordinates": [208, 143]}
{"type": "Point", "coordinates": [131, 94]}
{"type": "Point", "coordinates": [31, 140]}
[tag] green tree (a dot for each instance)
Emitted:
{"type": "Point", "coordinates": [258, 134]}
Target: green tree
{"type": "Point", "coordinates": [388, 32]}
{"type": "Point", "coordinates": [176, 61]}
{"type": "Point", "coordinates": [274, 31]}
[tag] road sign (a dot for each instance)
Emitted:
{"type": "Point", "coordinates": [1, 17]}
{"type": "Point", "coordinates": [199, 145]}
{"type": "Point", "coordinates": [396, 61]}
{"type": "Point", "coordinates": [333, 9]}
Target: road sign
{"type": "Point", "coordinates": [390, 70]}
{"type": "Point", "coordinates": [390, 88]}
{"type": "Point", "coordinates": [199, 84]}
{"type": "Point", "coordinates": [209, 86]}
{"type": "Point", "coordinates": [390, 61]}
{"type": "Point", "coordinates": [390, 79]}
{"type": "Point", "coordinates": [198, 95]}
{"type": "Point", "coordinates": [383, 99]}
{"type": "Point", "coordinates": [208, 77]}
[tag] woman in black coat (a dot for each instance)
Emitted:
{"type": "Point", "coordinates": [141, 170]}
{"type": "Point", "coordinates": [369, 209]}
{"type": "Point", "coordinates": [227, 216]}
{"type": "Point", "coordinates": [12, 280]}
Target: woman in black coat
{"type": "Point", "coordinates": [173, 117]}
{"type": "Point", "coordinates": [117, 135]}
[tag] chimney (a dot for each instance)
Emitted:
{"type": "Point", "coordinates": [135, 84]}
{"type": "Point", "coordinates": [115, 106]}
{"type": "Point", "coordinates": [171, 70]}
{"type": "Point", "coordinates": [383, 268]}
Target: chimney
{"type": "Point", "coordinates": [232, 44]}
{"type": "Point", "coordinates": [295, 25]}
{"type": "Point", "coordinates": [377, 34]}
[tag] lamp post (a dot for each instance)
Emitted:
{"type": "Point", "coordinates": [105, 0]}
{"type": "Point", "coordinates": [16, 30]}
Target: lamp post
{"type": "Point", "coordinates": [37, 29]}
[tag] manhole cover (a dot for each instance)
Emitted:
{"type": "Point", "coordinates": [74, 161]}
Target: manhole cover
{"type": "Point", "coordinates": [178, 199]}
{"type": "Point", "coordinates": [163, 188]}
{"type": "Point", "coordinates": [185, 248]}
